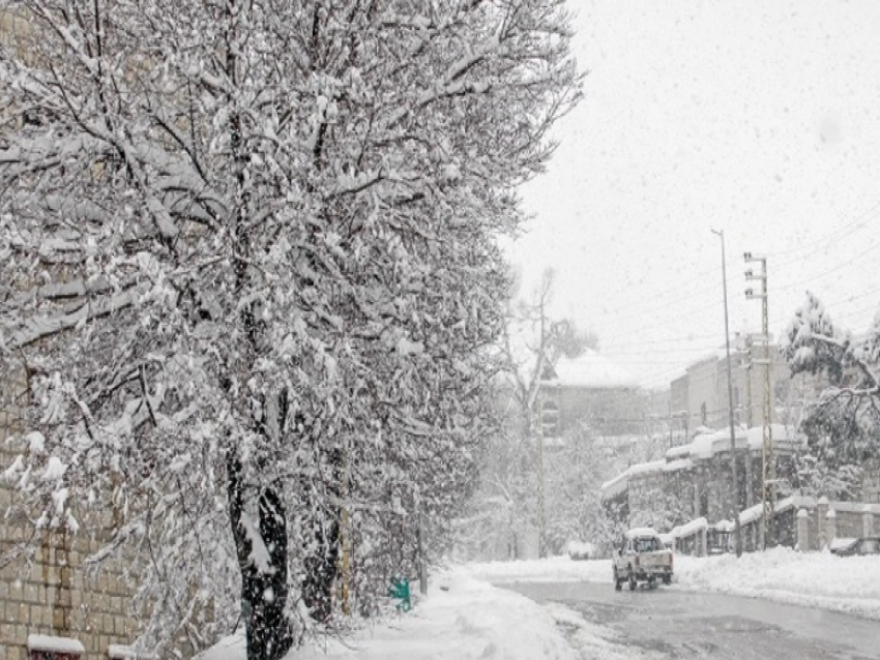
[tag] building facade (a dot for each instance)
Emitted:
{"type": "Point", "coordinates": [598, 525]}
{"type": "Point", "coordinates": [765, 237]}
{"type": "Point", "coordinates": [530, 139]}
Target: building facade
{"type": "Point", "coordinates": [593, 391]}
{"type": "Point", "coordinates": [700, 396]}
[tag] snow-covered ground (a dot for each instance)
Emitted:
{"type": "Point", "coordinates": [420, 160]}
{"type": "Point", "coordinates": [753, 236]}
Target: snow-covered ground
{"type": "Point", "coordinates": [465, 618]}
{"type": "Point", "coordinates": [818, 579]}
{"type": "Point", "coordinates": [462, 618]}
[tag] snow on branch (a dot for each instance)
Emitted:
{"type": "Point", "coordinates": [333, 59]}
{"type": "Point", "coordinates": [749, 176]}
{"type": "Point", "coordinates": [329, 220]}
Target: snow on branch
{"type": "Point", "coordinates": [34, 329]}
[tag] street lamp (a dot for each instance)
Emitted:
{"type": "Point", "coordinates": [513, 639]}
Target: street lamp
{"type": "Point", "coordinates": [733, 471]}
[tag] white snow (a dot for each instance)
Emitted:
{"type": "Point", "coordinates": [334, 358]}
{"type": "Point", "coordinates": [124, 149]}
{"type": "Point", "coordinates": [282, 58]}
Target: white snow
{"type": "Point", "coordinates": [704, 446]}
{"type": "Point", "coordinates": [689, 529]}
{"type": "Point", "coordinates": [462, 618]}
{"type": "Point", "coordinates": [594, 371]}
{"type": "Point", "coordinates": [55, 644]}
{"type": "Point", "coordinates": [55, 469]}
{"type": "Point", "coordinates": [36, 442]}
{"type": "Point", "coordinates": [641, 531]}
{"type": "Point", "coordinates": [125, 652]}
{"type": "Point", "coordinates": [811, 579]}
{"type": "Point", "coordinates": [465, 618]}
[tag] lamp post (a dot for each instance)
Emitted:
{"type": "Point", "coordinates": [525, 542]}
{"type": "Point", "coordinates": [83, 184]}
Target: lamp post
{"type": "Point", "coordinates": [733, 471]}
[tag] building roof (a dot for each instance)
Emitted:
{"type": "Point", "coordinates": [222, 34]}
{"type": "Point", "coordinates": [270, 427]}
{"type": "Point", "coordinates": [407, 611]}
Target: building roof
{"type": "Point", "coordinates": [704, 446]}
{"type": "Point", "coordinates": [591, 371]}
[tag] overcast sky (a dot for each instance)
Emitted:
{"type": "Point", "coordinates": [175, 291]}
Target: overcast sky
{"type": "Point", "coordinates": [760, 118]}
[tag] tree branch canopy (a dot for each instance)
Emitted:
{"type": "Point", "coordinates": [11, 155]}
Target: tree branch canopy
{"type": "Point", "coordinates": [206, 205]}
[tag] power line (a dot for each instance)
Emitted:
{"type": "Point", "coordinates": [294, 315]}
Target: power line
{"type": "Point", "coordinates": [669, 351]}
{"type": "Point", "coordinates": [704, 308]}
{"type": "Point", "coordinates": [825, 241]}
{"type": "Point", "coordinates": [841, 266]}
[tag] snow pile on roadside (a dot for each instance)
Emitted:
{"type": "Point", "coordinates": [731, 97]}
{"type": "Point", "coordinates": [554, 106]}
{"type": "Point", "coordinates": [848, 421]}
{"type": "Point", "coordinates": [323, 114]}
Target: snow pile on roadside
{"type": "Point", "coordinates": [552, 569]}
{"type": "Point", "coordinates": [461, 619]}
{"type": "Point", "coordinates": [814, 579]}
{"type": "Point", "coordinates": [594, 641]}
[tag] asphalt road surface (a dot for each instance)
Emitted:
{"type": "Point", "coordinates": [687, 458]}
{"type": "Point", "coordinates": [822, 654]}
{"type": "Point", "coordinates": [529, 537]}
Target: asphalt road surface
{"type": "Point", "coordinates": [668, 623]}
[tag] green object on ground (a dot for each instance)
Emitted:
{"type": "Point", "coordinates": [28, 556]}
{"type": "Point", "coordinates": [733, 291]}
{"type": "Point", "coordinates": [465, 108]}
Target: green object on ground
{"type": "Point", "coordinates": [400, 589]}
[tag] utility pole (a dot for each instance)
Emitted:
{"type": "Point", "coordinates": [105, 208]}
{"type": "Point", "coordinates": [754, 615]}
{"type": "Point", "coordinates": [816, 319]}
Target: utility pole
{"type": "Point", "coordinates": [748, 367]}
{"type": "Point", "coordinates": [345, 532]}
{"type": "Point", "coordinates": [768, 462]}
{"type": "Point", "coordinates": [749, 417]}
{"type": "Point", "coordinates": [733, 471]}
{"type": "Point", "coordinates": [542, 523]}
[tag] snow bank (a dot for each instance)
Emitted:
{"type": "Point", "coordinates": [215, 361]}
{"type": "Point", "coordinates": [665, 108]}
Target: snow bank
{"type": "Point", "coordinates": [554, 569]}
{"type": "Point", "coordinates": [461, 619]}
{"type": "Point", "coordinates": [812, 579]}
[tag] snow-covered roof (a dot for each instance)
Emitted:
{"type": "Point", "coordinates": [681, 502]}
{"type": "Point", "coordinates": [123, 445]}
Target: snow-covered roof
{"type": "Point", "coordinates": [690, 528]}
{"type": "Point", "coordinates": [678, 464]}
{"type": "Point", "coordinates": [781, 437]}
{"type": "Point", "coordinates": [709, 444]}
{"type": "Point", "coordinates": [724, 526]}
{"type": "Point", "coordinates": [680, 451]}
{"type": "Point", "coordinates": [706, 445]}
{"type": "Point", "coordinates": [617, 485]}
{"type": "Point", "coordinates": [592, 371]}
{"type": "Point", "coordinates": [638, 532]}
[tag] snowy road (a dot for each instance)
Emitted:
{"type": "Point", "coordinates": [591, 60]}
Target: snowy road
{"type": "Point", "coordinates": [668, 623]}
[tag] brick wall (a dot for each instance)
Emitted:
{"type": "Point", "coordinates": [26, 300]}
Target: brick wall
{"type": "Point", "coordinates": [50, 594]}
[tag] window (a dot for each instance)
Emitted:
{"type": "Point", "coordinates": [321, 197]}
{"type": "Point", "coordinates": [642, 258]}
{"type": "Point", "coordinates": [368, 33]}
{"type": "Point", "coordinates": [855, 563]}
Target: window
{"type": "Point", "coordinates": [646, 544]}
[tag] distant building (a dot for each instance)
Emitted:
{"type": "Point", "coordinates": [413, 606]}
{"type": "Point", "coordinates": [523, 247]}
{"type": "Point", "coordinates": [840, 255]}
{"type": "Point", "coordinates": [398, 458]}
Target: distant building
{"type": "Point", "coordinates": [700, 398]}
{"type": "Point", "coordinates": [694, 480]}
{"type": "Point", "coordinates": [590, 389]}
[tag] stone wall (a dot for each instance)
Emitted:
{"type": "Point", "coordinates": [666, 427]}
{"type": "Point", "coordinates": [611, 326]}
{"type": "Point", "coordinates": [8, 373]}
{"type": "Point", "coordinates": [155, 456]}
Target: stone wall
{"type": "Point", "coordinates": [871, 482]}
{"type": "Point", "coordinates": [49, 594]}
{"type": "Point", "coordinates": [826, 521]}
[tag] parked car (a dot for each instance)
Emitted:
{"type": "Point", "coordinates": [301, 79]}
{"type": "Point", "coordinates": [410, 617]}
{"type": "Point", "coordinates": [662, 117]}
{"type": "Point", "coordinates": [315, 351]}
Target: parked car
{"type": "Point", "coordinates": [865, 545]}
{"type": "Point", "coordinates": [641, 557]}
{"type": "Point", "coordinates": [578, 550]}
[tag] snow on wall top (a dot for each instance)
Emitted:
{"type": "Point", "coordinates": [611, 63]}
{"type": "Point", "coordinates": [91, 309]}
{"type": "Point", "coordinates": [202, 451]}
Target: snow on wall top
{"type": "Point", "coordinates": [592, 371]}
{"type": "Point", "coordinates": [48, 643]}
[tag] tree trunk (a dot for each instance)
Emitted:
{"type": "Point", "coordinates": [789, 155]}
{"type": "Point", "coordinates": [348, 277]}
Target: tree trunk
{"type": "Point", "coordinates": [322, 551]}
{"type": "Point", "coordinates": [264, 587]}
{"type": "Point", "coordinates": [321, 569]}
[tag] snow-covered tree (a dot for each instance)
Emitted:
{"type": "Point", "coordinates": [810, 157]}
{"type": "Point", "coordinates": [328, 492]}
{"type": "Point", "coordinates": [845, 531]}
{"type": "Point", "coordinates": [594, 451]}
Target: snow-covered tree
{"type": "Point", "coordinates": [506, 511]}
{"type": "Point", "coordinates": [575, 473]}
{"type": "Point", "coordinates": [247, 259]}
{"type": "Point", "coordinates": [843, 425]}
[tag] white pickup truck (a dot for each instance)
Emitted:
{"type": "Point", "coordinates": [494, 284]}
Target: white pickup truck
{"type": "Point", "coordinates": [641, 557]}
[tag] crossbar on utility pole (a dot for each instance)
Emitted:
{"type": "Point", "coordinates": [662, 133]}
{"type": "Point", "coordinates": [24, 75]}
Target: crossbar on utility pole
{"type": "Point", "coordinates": [733, 471]}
